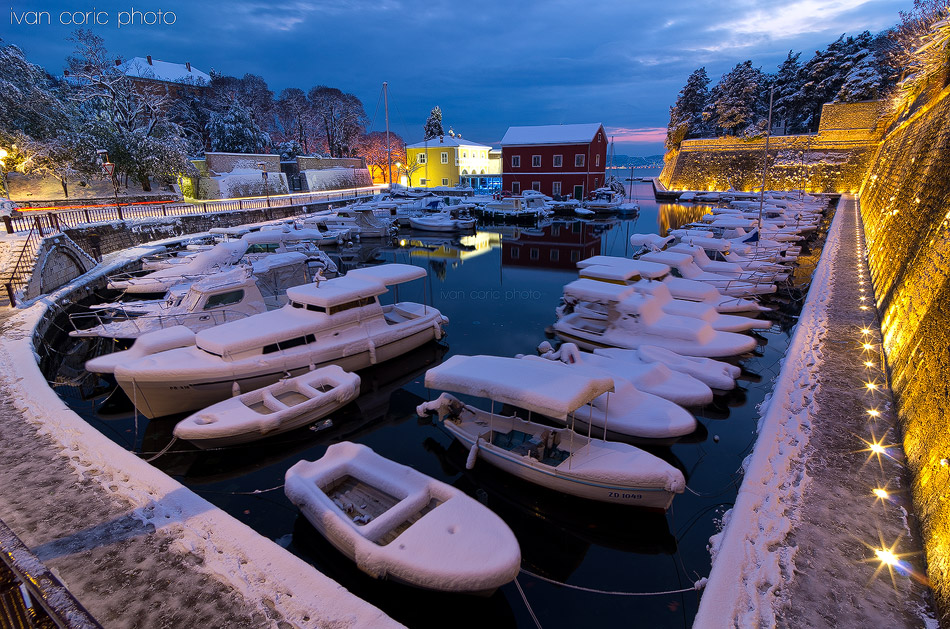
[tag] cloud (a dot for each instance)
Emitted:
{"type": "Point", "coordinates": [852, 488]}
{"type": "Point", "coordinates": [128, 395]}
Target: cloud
{"type": "Point", "coordinates": [637, 135]}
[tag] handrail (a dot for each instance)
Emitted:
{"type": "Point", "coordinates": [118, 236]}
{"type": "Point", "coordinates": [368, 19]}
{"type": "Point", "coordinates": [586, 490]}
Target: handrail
{"type": "Point", "coordinates": [73, 218]}
{"type": "Point", "coordinates": [42, 599]}
{"type": "Point", "coordinates": [19, 277]}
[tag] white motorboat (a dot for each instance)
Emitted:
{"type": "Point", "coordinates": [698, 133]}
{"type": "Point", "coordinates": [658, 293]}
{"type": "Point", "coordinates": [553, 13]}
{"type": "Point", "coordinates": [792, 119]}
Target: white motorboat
{"type": "Point", "coordinates": [604, 200]}
{"type": "Point", "coordinates": [626, 271]}
{"type": "Point", "coordinates": [650, 376]}
{"type": "Point", "coordinates": [714, 373]}
{"type": "Point", "coordinates": [557, 458]}
{"type": "Point", "coordinates": [338, 321]}
{"type": "Point", "coordinates": [361, 222]}
{"type": "Point", "coordinates": [441, 222]}
{"type": "Point", "coordinates": [397, 523]}
{"type": "Point", "coordinates": [528, 207]}
{"type": "Point", "coordinates": [633, 319]}
{"type": "Point", "coordinates": [705, 311]}
{"type": "Point", "coordinates": [203, 263]}
{"type": "Point", "coordinates": [682, 265]}
{"type": "Point", "coordinates": [731, 269]}
{"type": "Point", "coordinates": [285, 405]}
{"type": "Point", "coordinates": [626, 412]}
{"type": "Point", "coordinates": [215, 299]}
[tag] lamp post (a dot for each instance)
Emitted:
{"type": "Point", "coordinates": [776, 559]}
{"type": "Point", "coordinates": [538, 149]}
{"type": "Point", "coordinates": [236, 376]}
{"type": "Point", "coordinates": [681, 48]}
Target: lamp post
{"type": "Point", "coordinates": [398, 166]}
{"type": "Point", "coordinates": [263, 167]}
{"type": "Point", "coordinates": [109, 169]}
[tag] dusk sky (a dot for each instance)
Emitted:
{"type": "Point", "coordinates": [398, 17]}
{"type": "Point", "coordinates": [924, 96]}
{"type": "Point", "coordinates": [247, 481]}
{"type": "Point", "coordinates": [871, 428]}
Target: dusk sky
{"type": "Point", "coordinates": [489, 64]}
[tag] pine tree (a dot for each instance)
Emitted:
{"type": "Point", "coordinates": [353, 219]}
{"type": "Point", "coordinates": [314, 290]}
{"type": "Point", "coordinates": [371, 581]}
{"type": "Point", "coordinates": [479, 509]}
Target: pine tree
{"type": "Point", "coordinates": [686, 116]}
{"type": "Point", "coordinates": [234, 131]}
{"type": "Point", "coordinates": [786, 101]}
{"type": "Point", "coordinates": [736, 101]}
{"type": "Point", "coordinates": [433, 126]}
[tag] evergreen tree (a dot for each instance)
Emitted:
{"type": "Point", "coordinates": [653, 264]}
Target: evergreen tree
{"type": "Point", "coordinates": [786, 106]}
{"type": "Point", "coordinates": [433, 126]}
{"type": "Point", "coordinates": [235, 131]}
{"type": "Point", "coordinates": [686, 116]}
{"type": "Point", "coordinates": [341, 116]}
{"type": "Point", "coordinates": [736, 101]}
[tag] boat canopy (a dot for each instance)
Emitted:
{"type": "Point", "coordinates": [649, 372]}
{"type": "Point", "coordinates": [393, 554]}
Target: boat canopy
{"type": "Point", "coordinates": [646, 270]}
{"type": "Point", "coordinates": [605, 273]}
{"type": "Point", "coordinates": [545, 388]}
{"type": "Point", "coordinates": [389, 274]}
{"type": "Point", "coordinates": [650, 240]}
{"type": "Point", "coordinates": [597, 291]}
{"type": "Point", "coordinates": [669, 258]}
{"type": "Point", "coordinates": [278, 260]}
{"type": "Point", "coordinates": [333, 292]}
{"type": "Point", "coordinates": [277, 236]}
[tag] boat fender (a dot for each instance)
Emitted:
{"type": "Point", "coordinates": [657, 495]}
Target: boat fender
{"type": "Point", "coordinates": [472, 455]}
{"type": "Point", "coordinates": [372, 350]}
{"type": "Point", "coordinates": [438, 330]}
{"type": "Point", "coordinates": [235, 389]}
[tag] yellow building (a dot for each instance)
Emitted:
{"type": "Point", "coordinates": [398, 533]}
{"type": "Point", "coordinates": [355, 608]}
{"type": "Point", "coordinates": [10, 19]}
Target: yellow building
{"type": "Point", "coordinates": [450, 161]}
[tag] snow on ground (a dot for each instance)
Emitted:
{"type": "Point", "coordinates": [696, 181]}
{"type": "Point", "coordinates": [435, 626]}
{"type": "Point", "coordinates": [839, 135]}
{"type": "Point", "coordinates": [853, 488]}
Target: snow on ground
{"type": "Point", "coordinates": [797, 548]}
{"type": "Point", "coordinates": [131, 542]}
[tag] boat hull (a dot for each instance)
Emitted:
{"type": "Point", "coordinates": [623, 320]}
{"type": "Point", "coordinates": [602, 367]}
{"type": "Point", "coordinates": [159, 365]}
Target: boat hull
{"type": "Point", "coordinates": [170, 396]}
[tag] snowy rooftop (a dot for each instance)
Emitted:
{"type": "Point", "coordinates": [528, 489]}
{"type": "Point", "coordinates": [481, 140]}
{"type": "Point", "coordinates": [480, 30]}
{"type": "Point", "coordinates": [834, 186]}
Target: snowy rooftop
{"type": "Point", "coordinates": [447, 140]}
{"type": "Point", "coordinates": [164, 71]}
{"type": "Point", "coordinates": [551, 134]}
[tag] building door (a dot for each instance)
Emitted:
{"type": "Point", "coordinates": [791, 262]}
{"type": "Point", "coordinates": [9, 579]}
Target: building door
{"type": "Point", "coordinates": [579, 193]}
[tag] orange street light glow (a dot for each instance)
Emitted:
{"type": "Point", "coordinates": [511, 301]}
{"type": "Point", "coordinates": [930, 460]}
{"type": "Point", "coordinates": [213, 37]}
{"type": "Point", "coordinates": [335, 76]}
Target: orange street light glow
{"type": "Point", "coordinates": [880, 493]}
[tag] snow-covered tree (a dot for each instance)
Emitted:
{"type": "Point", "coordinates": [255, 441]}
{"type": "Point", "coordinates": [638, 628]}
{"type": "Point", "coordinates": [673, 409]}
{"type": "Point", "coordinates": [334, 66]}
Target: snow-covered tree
{"type": "Point", "coordinates": [288, 150]}
{"type": "Point", "coordinates": [686, 116]}
{"type": "Point", "coordinates": [341, 116]}
{"type": "Point", "coordinates": [373, 149]}
{"type": "Point", "coordinates": [295, 117]}
{"type": "Point", "coordinates": [235, 131]}
{"type": "Point", "coordinates": [433, 126]}
{"type": "Point", "coordinates": [736, 101]}
{"type": "Point", "coordinates": [786, 105]}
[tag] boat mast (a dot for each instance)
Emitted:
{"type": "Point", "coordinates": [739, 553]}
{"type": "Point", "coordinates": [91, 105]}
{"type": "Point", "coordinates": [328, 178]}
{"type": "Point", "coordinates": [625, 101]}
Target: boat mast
{"type": "Point", "coordinates": [389, 154]}
{"type": "Point", "coordinates": [765, 162]}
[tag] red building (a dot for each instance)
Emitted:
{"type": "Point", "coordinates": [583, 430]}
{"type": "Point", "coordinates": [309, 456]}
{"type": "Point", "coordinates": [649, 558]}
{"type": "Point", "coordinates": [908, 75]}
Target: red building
{"type": "Point", "coordinates": [568, 160]}
{"type": "Point", "coordinates": [556, 246]}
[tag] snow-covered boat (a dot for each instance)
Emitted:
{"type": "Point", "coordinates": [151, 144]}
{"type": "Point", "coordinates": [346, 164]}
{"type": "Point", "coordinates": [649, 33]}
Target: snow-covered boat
{"type": "Point", "coordinates": [682, 265]}
{"type": "Point", "coordinates": [604, 200]}
{"type": "Point", "coordinates": [557, 458]}
{"type": "Point", "coordinates": [441, 222]}
{"type": "Point", "coordinates": [201, 264]}
{"type": "Point", "coordinates": [625, 271]}
{"type": "Point", "coordinates": [397, 523]}
{"type": "Point", "coordinates": [762, 273]}
{"type": "Point", "coordinates": [215, 299]}
{"type": "Point", "coordinates": [650, 376]}
{"type": "Point", "coordinates": [285, 405]}
{"type": "Point", "coordinates": [362, 222]}
{"type": "Point", "coordinates": [338, 321]}
{"type": "Point", "coordinates": [714, 373]}
{"type": "Point", "coordinates": [633, 319]}
{"type": "Point", "coordinates": [528, 207]}
{"type": "Point", "coordinates": [626, 412]}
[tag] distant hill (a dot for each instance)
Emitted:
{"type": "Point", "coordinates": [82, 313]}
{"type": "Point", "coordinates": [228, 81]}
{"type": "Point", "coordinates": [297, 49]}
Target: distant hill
{"type": "Point", "coordinates": [650, 161]}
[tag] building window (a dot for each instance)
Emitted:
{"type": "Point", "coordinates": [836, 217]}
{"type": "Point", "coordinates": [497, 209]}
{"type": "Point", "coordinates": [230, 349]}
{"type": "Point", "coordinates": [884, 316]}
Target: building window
{"type": "Point", "coordinates": [558, 161]}
{"type": "Point", "coordinates": [445, 157]}
{"type": "Point", "coordinates": [597, 160]}
{"type": "Point", "coordinates": [556, 230]}
{"type": "Point", "coordinates": [555, 255]}
{"type": "Point", "coordinates": [556, 188]}
{"type": "Point", "coordinates": [515, 253]}
{"type": "Point", "coordinates": [445, 181]}
{"type": "Point", "coordinates": [515, 187]}
{"type": "Point", "coordinates": [422, 181]}
{"type": "Point", "coordinates": [536, 161]}
{"type": "Point", "coordinates": [578, 160]}
{"type": "Point", "coordinates": [575, 256]}
{"type": "Point", "coordinates": [536, 186]}
{"type": "Point", "coordinates": [483, 154]}
{"type": "Point", "coordinates": [421, 158]}
{"type": "Point", "coordinates": [464, 154]}
{"type": "Point", "coordinates": [534, 253]}
{"type": "Point", "coordinates": [579, 192]}
{"type": "Point", "coordinates": [516, 161]}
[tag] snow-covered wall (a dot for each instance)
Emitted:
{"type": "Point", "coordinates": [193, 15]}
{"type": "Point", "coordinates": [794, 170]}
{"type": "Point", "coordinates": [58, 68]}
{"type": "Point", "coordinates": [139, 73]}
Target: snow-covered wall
{"type": "Point", "coordinates": [833, 160]}
{"type": "Point", "coordinates": [336, 178]}
{"type": "Point", "coordinates": [904, 202]}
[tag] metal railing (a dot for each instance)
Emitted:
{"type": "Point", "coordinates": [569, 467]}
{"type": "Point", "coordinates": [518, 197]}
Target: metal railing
{"type": "Point", "coordinates": [30, 596]}
{"type": "Point", "coordinates": [65, 219]}
{"type": "Point", "coordinates": [22, 271]}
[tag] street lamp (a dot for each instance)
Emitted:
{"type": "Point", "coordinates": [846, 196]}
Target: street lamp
{"type": "Point", "coordinates": [263, 167]}
{"type": "Point", "coordinates": [398, 166]}
{"type": "Point", "coordinates": [109, 169]}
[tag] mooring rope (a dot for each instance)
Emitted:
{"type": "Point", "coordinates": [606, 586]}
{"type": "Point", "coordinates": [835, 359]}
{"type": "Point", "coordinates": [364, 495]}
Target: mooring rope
{"type": "Point", "coordinates": [163, 450]}
{"type": "Point", "coordinates": [698, 585]}
{"type": "Point", "coordinates": [253, 492]}
{"type": "Point", "coordinates": [527, 604]}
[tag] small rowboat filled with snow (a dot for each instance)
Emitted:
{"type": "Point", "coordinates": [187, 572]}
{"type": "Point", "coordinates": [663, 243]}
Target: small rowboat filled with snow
{"type": "Point", "coordinates": [557, 458]}
{"type": "Point", "coordinates": [285, 405]}
{"type": "Point", "coordinates": [400, 524]}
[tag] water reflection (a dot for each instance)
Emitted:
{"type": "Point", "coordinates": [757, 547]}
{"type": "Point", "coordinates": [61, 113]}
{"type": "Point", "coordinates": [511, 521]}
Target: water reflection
{"type": "Point", "coordinates": [674, 216]}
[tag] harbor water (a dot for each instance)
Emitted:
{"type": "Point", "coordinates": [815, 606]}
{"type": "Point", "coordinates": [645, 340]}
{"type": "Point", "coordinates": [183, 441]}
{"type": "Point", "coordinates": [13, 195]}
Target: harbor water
{"type": "Point", "coordinates": [499, 288]}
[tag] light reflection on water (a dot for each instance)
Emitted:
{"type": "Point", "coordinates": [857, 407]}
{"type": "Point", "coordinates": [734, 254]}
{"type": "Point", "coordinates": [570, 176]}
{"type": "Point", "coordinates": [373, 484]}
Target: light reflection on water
{"type": "Point", "coordinates": [499, 289]}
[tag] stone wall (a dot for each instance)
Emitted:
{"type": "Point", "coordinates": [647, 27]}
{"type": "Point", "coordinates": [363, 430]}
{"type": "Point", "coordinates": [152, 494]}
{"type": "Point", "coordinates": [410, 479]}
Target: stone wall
{"type": "Point", "coordinates": [221, 163]}
{"type": "Point", "coordinates": [319, 163]}
{"type": "Point", "coordinates": [904, 202]}
{"type": "Point", "coordinates": [59, 260]}
{"type": "Point", "coordinates": [833, 160]}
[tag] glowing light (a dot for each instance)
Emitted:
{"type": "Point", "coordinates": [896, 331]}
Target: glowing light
{"type": "Point", "coordinates": [864, 307]}
{"type": "Point", "coordinates": [886, 556]}
{"type": "Point", "coordinates": [873, 412]}
{"type": "Point", "coordinates": [868, 363]}
{"type": "Point", "coordinates": [877, 448]}
{"type": "Point", "coordinates": [867, 347]}
{"type": "Point", "coordinates": [865, 331]}
{"type": "Point", "coordinates": [880, 493]}
{"type": "Point", "coordinates": [872, 386]}
{"type": "Point", "coordinates": [862, 297]}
